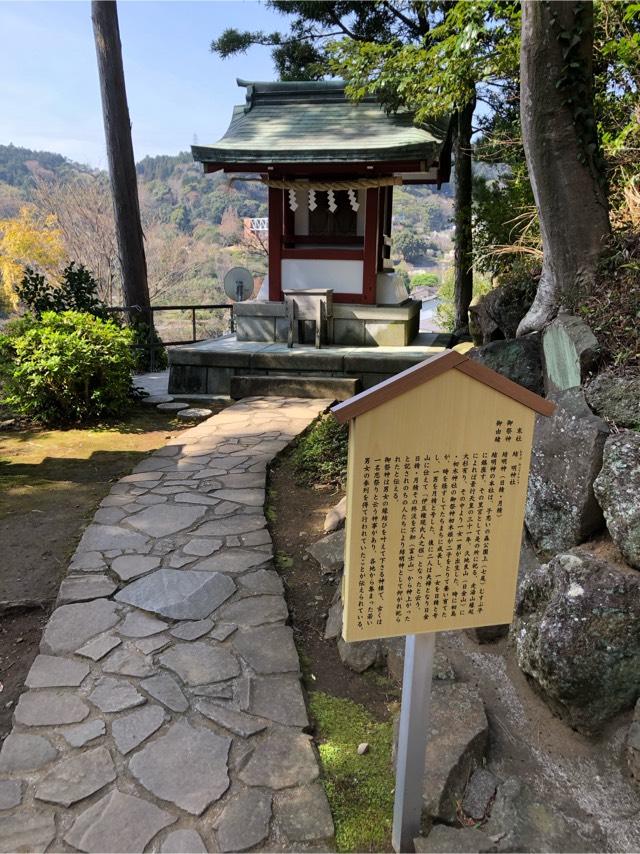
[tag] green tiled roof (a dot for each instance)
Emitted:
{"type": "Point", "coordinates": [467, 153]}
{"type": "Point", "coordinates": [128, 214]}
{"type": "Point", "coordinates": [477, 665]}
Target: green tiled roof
{"type": "Point", "coordinates": [313, 122]}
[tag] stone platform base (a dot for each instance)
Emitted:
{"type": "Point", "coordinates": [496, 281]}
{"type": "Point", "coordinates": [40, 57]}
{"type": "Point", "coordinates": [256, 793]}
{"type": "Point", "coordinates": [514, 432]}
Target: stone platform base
{"type": "Point", "coordinates": [332, 388]}
{"type": "Point", "coordinates": [353, 325]}
{"type": "Point", "coordinates": [207, 367]}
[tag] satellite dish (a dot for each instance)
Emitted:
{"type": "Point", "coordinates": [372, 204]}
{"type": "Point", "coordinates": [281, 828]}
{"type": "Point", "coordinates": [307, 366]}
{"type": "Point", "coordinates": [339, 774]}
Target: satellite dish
{"type": "Point", "coordinates": [238, 284]}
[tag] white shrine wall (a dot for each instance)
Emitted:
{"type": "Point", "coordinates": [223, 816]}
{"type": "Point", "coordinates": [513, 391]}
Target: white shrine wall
{"type": "Point", "coordinates": [345, 277]}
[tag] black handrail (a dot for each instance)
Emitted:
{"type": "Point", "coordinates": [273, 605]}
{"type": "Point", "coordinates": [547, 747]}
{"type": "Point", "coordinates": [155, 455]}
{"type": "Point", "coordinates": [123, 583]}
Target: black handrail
{"type": "Point", "coordinates": [151, 310]}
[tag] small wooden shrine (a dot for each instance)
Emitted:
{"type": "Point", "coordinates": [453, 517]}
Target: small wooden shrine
{"type": "Point", "coordinates": [330, 166]}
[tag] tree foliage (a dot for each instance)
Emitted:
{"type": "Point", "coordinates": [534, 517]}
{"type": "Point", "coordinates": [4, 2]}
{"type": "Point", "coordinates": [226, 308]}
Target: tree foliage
{"type": "Point", "coordinates": [617, 99]}
{"type": "Point", "coordinates": [76, 291]}
{"type": "Point", "coordinates": [27, 239]}
{"type": "Point", "coordinates": [412, 246]}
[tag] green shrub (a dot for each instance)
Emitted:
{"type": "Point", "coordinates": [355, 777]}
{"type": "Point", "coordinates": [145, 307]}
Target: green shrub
{"type": "Point", "coordinates": [321, 455]}
{"type": "Point", "coordinates": [66, 368]}
{"type": "Point", "coordinates": [424, 280]}
{"type": "Point", "coordinates": [78, 291]}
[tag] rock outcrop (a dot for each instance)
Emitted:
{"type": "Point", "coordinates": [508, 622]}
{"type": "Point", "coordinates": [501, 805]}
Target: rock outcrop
{"type": "Point", "coordinates": [496, 315]}
{"type": "Point", "coordinates": [522, 821]}
{"type": "Point", "coordinates": [458, 739]}
{"type": "Point", "coordinates": [561, 509]}
{"type": "Point", "coordinates": [519, 359]}
{"type": "Point", "coordinates": [616, 397]}
{"type": "Point", "coordinates": [393, 648]}
{"type": "Point", "coordinates": [577, 635]}
{"type": "Point", "coordinates": [617, 489]}
{"type": "Point", "coordinates": [632, 746]}
{"type": "Point", "coordinates": [454, 840]}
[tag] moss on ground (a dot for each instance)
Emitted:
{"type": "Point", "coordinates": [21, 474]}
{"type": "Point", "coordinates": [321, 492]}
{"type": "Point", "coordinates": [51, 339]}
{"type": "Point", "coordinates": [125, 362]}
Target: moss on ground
{"type": "Point", "coordinates": [360, 788]}
{"type": "Point", "coordinates": [320, 457]}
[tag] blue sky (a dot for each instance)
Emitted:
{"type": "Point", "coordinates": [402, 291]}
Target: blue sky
{"type": "Point", "coordinates": [49, 93]}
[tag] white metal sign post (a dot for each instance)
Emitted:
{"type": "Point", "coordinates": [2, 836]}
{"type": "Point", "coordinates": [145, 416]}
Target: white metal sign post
{"type": "Point", "coordinates": [412, 739]}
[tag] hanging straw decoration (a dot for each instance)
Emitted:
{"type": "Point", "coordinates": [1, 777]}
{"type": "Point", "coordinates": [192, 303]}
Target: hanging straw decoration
{"type": "Point", "coordinates": [333, 207]}
{"type": "Point", "coordinates": [353, 199]}
{"type": "Point", "coordinates": [312, 200]}
{"type": "Point", "coordinates": [293, 203]}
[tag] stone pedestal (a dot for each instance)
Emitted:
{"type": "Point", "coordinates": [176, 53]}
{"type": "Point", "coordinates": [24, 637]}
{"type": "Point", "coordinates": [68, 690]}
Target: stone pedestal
{"type": "Point", "coordinates": [353, 325]}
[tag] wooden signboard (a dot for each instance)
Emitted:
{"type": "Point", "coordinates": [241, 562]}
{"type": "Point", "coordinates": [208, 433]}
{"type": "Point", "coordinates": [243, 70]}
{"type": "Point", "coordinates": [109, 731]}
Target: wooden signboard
{"type": "Point", "coordinates": [436, 485]}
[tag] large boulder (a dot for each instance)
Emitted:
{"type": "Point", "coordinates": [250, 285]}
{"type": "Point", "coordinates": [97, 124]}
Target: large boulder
{"type": "Point", "coordinates": [571, 351]}
{"type": "Point", "coordinates": [561, 509]}
{"type": "Point", "coordinates": [577, 636]}
{"type": "Point", "coordinates": [454, 840]}
{"type": "Point", "coordinates": [522, 821]}
{"type": "Point", "coordinates": [496, 315]}
{"type": "Point", "coordinates": [529, 565]}
{"type": "Point", "coordinates": [632, 746]}
{"type": "Point", "coordinates": [393, 648]}
{"type": "Point", "coordinates": [457, 743]}
{"type": "Point", "coordinates": [617, 489]}
{"type": "Point", "coordinates": [616, 397]}
{"type": "Point", "coordinates": [519, 360]}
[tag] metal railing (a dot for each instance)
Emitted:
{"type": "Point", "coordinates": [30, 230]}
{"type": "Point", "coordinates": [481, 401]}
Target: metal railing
{"type": "Point", "coordinates": [153, 343]}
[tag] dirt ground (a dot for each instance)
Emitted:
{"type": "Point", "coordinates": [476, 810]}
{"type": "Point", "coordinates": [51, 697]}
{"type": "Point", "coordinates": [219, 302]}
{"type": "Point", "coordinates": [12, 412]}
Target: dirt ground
{"type": "Point", "coordinates": [297, 518]}
{"type": "Point", "coordinates": [51, 482]}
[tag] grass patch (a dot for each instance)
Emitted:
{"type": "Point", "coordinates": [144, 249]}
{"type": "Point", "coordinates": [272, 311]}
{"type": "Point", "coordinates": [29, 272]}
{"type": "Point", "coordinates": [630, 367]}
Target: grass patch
{"type": "Point", "coordinates": [360, 788]}
{"type": "Point", "coordinates": [320, 457]}
{"type": "Point", "coordinates": [51, 482]}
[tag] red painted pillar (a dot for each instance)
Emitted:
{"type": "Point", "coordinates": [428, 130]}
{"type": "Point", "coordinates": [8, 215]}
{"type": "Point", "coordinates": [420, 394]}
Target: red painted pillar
{"type": "Point", "coordinates": [275, 244]}
{"type": "Point", "coordinates": [371, 230]}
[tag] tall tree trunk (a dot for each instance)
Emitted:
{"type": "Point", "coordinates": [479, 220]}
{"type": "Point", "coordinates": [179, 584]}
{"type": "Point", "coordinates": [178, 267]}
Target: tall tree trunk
{"type": "Point", "coordinates": [463, 290]}
{"type": "Point", "coordinates": [561, 147]}
{"type": "Point", "coordinates": [117, 128]}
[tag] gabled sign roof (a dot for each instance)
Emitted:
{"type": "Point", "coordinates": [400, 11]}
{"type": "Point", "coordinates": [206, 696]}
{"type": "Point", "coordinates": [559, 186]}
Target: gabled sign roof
{"type": "Point", "coordinates": [428, 370]}
{"type": "Point", "coordinates": [314, 122]}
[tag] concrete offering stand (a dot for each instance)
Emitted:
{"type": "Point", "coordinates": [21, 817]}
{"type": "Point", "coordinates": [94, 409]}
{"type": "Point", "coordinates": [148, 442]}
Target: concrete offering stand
{"type": "Point", "coordinates": [436, 486]}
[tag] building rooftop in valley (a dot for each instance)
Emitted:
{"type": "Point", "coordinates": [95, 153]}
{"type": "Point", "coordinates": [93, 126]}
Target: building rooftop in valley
{"type": "Point", "coordinates": [311, 122]}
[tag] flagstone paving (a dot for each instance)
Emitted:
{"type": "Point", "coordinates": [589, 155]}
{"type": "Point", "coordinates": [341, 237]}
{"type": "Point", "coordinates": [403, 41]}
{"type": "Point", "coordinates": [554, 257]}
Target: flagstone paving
{"type": "Point", "coordinates": [165, 711]}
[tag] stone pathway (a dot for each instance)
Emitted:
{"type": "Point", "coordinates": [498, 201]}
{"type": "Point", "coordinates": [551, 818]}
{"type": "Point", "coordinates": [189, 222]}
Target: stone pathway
{"type": "Point", "coordinates": [165, 711]}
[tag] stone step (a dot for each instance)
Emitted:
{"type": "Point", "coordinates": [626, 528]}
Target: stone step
{"type": "Point", "coordinates": [336, 388]}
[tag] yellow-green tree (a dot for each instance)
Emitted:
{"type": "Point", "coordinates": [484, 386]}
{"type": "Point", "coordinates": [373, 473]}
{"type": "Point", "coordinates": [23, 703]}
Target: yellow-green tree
{"type": "Point", "coordinates": [27, 240]}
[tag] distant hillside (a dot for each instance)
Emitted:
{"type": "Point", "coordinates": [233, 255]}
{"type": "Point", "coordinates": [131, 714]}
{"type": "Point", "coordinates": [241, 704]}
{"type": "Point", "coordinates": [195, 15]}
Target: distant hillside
{"type": "Point", "coordinates": [192, 221]}
{"type": "Point", "coordinates": [18, 166]}
{"type": "Point", "coordinates": [176, 190]}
